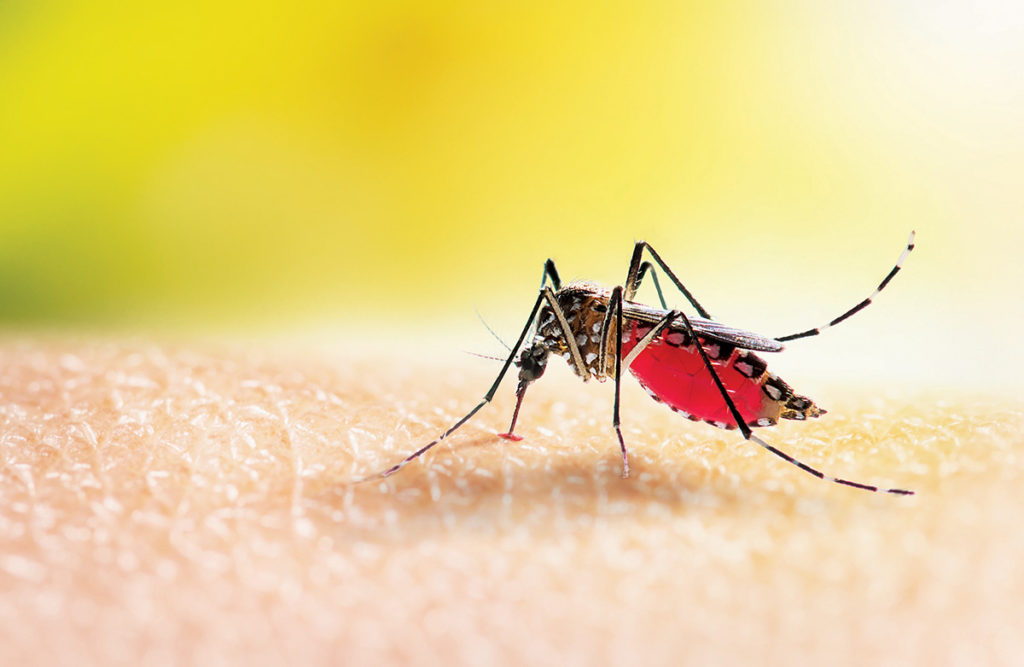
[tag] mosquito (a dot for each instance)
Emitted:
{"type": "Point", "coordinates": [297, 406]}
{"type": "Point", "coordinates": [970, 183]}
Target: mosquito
{"type": "Point", "coordinates": [699, 368]}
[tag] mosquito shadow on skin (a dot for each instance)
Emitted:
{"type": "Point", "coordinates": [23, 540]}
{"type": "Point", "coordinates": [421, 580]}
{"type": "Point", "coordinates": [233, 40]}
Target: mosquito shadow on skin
{"type": "Point", "coordinates": [474, 491]}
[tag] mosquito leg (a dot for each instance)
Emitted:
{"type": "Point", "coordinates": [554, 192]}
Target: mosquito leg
{"type": "Point", "coordinates": [646, 268]}
{"type": "Point", "coordinates": [615, 304]}
{"type": "Point", "coordinates": [550, 273]}
{"type": "Point", "coordinates": [747, 434]}
{"type": "Point", "coordinates": [486, 399]}
{"type": "Point", "coordinates": [615, 308]}
{"type": "Point", "coordinates": [863, 304]}
{"type": "Point", "coordinates": [642, 344]}
{"type": "Point", "coordinates": [635, 275]}
{"type": "Point", "coordinates": [606, 329]}
{"type": "Point", "coordinates": [570, 338]}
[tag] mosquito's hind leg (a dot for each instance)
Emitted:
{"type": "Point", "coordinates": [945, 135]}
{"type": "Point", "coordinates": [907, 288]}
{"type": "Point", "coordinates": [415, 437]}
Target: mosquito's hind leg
{"type": "Point", "coordinates": [863, 304]}
{"type": "Point", "coordinates": [748, 435]}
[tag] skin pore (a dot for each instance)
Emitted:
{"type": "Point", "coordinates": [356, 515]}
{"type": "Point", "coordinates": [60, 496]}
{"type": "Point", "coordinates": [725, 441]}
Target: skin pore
{"type": "Point", "coordinates": [167, 502]}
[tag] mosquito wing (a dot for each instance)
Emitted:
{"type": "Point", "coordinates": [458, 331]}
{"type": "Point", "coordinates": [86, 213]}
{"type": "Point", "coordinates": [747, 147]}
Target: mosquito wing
{"type": "Point", "coordinates": [706, 328]}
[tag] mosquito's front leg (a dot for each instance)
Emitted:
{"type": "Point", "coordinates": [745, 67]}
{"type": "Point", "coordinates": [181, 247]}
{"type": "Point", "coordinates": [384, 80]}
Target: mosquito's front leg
{"type": "Point", "coordinates": [537, 353]}
{"type": "Point", "coordinates": [486, 399]}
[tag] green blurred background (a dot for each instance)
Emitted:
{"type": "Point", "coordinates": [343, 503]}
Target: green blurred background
{"type": "Point", "coordinates": [383, 166]}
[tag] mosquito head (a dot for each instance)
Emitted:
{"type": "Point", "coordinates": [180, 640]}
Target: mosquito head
{"type": "Point", "coordinates": [531, 363]}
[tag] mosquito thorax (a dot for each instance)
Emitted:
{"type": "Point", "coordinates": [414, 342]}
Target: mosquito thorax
{"type": "Point", "coordinates": [584, 306]}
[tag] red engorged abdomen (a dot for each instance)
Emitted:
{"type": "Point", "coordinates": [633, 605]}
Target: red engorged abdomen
{"type": "Point", "coordinates": [677, 376]}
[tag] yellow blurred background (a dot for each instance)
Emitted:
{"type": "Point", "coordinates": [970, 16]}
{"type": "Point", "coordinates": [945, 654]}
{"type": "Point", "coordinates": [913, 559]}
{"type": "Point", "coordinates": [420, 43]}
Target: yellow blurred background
{"type": "Point", "coordinates": [385, 166]}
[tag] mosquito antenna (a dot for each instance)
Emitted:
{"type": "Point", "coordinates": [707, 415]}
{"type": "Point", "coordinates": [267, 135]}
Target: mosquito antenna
{"type": "Point", "coordinates": [488, 327]}
{"type": "Point", "coordinates": [483, 356]}
{"type": "Point", "coordinates": [863, 304]}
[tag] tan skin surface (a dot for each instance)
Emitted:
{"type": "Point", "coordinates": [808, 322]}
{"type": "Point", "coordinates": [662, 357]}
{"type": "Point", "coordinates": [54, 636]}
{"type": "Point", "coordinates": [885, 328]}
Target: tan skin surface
{"type": "Point", "coordinates": [162, 503]}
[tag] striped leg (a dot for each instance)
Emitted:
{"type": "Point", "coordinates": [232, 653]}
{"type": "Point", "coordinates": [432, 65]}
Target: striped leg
{"type": "Point", "coordinates": [747, 434]}
{"type": "Point", "coordinates": [486, 399]}
{"type": "Point", "coordinates": [550, 273]}
{"type": "Point", "coordinates": [570, 338]}
{"type": "Point", "coordinates": [860, 306]}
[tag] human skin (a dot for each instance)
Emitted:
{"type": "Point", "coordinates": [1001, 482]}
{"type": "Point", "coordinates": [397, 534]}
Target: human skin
{"type": "Point", "coordinates": [164, 502]}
